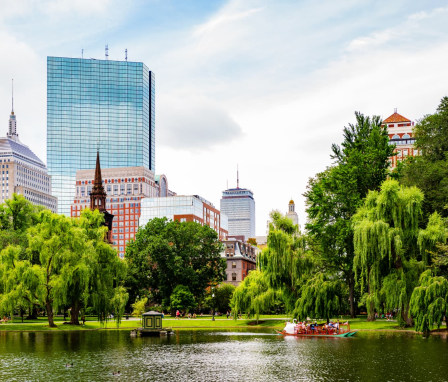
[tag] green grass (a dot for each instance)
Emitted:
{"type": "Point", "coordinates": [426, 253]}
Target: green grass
{"type": "Point", "coordinates": [201, 322]}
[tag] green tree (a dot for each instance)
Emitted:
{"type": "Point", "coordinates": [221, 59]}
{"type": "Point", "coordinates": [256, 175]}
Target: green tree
{"type": "Point", "coordinates": [429, 302]}
{"type": "Point", "coordinates": [170, 253]}
{"type": "Point", "coordinates": [139, 306]}
{"type": "Point", "coordinates": [320, 297]}
{"type": "Point", "coordinates": [390, 249]}
{"type": "Point", "coordinates": [182, 299]}
{"type": "Point", "coordinates": [253, 296]}
{"type": "Point", "coordinates": [429, 171]}
{"type": "Point", "coordinates": [223, 296]}
{"type": "Point", "coordinates": [333, 196]}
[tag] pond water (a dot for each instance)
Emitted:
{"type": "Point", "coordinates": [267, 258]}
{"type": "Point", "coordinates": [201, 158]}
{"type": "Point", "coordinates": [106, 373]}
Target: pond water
{"type": "Point", "coordinates": [221, 356]}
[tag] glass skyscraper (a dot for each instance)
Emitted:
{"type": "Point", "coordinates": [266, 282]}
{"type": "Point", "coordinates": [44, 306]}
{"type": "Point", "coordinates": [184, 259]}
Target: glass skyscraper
{"type": "Point", "coordinates": [97, 104]}
{"type": "Point", "coordinates": [239, 206]}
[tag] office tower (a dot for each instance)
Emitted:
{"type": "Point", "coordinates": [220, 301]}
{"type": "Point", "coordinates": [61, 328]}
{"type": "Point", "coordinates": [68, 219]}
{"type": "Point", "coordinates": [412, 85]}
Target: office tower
{"type": "Point", "coordinates": [124, 187]}
{"type": "Point", "coordinates": [239, 206]}
{"type": "Point", "coordinates": [97, 104]}
{"type": "Point", "coordinates": [184, 208]}
{"type": "Point", "coordinates": [22, 172]}
{"type": "Point", "coordinates": [401, 133]}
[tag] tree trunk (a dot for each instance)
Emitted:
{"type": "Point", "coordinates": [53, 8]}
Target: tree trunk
{"type": "Point", "coordinates": [405, 315]}
{"type": "Point", "coordinates": [371, 305]}
{"type": "Point", "coordinates": [32, 313]}
{"type": "Point", "coordinates": [351, 296]}
{"type": "Point", "coordinates": [74, 316]}
{"type": "Point", "coordinates": [50, 314]}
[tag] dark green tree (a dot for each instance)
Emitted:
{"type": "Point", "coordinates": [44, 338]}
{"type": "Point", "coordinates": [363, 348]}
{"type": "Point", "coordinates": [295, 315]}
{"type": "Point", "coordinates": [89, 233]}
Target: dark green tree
{"type": "Point", "coordinates": [360, 164]}
{"type": "Point", "coordinates": [170, 253]}
{"type": "Point", "coordinates": [182, 299]}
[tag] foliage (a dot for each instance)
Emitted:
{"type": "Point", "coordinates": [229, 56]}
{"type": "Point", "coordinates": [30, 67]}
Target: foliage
{"type": "Point", "coordinates": [118, 303]}
{"type": "Point", "coordinates": [386, 236]}
{"type": "Point", "coordinates": [429, 302]}
{"type": "Point", "coordinates": [429, 171]}
{"type": "Point", "coordinates": [170, 253]}
{"type": "Point", "coordinates": [320, 297]}
{"type": "Point", "coordinates": [253, 296]}
{"type": "Point", "coordinates": [139, 306]}
{"type": "Point", "coordinates": [182, 299]}
{"type": "Point", "coordinates": [222, 297]}
{"type": "Point", "coordinates": [333, 196]}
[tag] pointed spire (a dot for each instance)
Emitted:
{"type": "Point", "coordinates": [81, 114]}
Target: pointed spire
{"type": "Point", "coordinates": [98, 194]}
{"type": "Point", "coordinates": [12, 97]}
{"type": "Point", "coordinates": [12, 131]}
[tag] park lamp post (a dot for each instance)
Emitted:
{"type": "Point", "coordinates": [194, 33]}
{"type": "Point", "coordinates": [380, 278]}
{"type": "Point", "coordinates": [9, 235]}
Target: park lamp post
{"type": "Point", "coordinates": [213, 304]}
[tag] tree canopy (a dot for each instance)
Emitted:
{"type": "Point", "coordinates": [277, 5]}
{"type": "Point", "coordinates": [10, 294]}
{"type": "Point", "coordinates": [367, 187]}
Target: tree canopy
{"type": "Point", "coordinates": [170, 253]}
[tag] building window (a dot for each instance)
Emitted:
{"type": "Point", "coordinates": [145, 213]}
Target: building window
{"type": "Point", "coordinates": [234, 264]}
{"type": "Point", "coordinates": [234, 276]}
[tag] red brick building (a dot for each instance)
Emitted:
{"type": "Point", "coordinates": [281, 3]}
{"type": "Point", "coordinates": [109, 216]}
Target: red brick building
{"type": "Point", "coordinates": [241, 259]}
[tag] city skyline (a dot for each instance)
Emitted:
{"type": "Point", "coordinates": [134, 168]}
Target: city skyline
{"type": "Point", "coordinates": [239, 81]}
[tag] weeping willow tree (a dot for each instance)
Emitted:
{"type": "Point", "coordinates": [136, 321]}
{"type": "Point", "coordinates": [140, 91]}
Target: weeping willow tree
{"type": "Point", "coordinates": [429, 302]}
{"type": "Point", "coordinates": [253, 296]}
{"type": "Point", "coordinates": [390, 249]}
{"type": "Point", "coordinates": [320, 297]}
{"type": "Point", "coordinates": [284, 262]}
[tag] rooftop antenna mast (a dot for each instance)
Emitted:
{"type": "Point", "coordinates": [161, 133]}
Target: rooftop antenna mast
{"type": "Point", "coordinates": [126, 54]}
{"type": "Point", "coordinates": [82, 53]}
{"type": "Point", "coordinates": [107, 51]}
{"type": "Point", "coordinates": [237, 177]}
{"type": "Point", "coordinates": [12, 96]}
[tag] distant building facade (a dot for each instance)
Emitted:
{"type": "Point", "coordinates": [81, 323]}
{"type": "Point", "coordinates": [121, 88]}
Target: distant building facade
{"type": "Point", "coordinates": [241, 258]}
{"type": "Point", "coordinates": [22, 172]}
{"type": "Point", "coordinates": [91, 102]}
{"type": "Point", "coordinates": [292, 214]}
{"type": "Point", "coordinates": [239, 206]}
{"type": "Point", "coordinates": [184, 208]}
{"type": "Point", "coordinates": [401, 133]}
{"type": "Point", "coordinates": [125, 187]}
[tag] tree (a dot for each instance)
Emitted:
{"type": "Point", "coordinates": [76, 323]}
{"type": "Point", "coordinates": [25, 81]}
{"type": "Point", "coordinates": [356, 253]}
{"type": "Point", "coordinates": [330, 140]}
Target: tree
{"type": "Point", "coordinates": [429, 302]}
{"type": "Point", "coordinates": [390, 249]}
{"type": "Point", "coordinates": [429, 171]}
{"type": "Point", "coordinates": [253, 296]}
{"type": "Point", "coordinates": [170, 253]}
{"type": "Point", "coordinates": [320, 297]}
{"type": "Point", "coordinates": [223, 296]}
{"type": "Point", "coordinates": [58, 242]}
{"type": "Point", "coordinates": [182, 299]}
{"type": "Point", "coordinates": [333, 196]}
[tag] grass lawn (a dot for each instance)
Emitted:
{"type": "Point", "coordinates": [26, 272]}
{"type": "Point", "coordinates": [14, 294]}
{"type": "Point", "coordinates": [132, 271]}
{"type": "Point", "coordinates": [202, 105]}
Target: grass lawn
{"type": "Point", "coordinates": [201, 322]}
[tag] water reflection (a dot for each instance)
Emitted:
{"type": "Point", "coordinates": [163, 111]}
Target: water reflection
{"type": "Point", "coordinates": [221, 356]}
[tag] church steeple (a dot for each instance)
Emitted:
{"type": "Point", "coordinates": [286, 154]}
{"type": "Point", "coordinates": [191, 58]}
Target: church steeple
{"type": "Point", "coordinates": [98, 198]}
{"type": "Point", "coordinates": [12, 131]}
{"type": "Point", "coordinates": [98, 194]}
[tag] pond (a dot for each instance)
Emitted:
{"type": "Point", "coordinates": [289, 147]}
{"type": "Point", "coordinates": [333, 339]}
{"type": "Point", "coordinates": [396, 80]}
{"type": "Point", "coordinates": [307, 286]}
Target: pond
{"type": "Point", "coordinates": [202, 355]}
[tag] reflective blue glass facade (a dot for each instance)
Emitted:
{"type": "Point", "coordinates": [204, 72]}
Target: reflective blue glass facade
{"type": "Point", "coordinates": [93, 104]}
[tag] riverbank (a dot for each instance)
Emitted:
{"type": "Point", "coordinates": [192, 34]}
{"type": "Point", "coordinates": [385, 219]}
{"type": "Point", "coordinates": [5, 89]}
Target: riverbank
{"type": "Point", "coordinates": [265, 322]}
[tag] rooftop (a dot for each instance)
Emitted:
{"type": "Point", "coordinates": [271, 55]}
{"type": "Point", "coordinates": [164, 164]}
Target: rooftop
{"type": "Point", "coordinates": [395, 118]}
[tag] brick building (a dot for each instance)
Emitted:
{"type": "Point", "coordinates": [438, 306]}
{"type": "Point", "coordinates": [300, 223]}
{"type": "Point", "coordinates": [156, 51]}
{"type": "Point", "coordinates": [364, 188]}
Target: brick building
{"type": "Point", "coordinates": [185, 208]}
{"type": "Point", "coordinates": [401, 134]}
{"type": "Point", "coordinates": [125, 187]}
{"type": "Point", "coordinates": [241, 259]}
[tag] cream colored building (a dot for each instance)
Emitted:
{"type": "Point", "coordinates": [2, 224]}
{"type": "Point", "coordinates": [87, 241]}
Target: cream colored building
{"type": "Point", "coordinates": [22, 172]}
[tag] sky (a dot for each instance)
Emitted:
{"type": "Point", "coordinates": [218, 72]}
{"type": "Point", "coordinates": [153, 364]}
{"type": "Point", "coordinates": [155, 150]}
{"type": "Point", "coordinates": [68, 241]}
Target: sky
{"type": "Point", "coordinates": [264, 85]}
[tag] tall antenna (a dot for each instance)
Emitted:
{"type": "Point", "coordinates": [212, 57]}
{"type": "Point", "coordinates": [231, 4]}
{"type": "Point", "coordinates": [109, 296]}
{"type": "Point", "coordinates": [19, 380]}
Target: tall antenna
{"type": "Point", "coordinates": [82, 53]}
{"type": "Point", "coordinates": [237, 177]}
{"type": "Point", "coordinates": [126, 54]}
{"type": "Point", "coordinates": [107, 51]}
{"type": "Point", "coordinates": [12, 96]}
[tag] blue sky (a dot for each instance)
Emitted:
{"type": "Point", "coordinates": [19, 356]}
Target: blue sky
{"type": "Point", "coordinates": [268, 85]}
